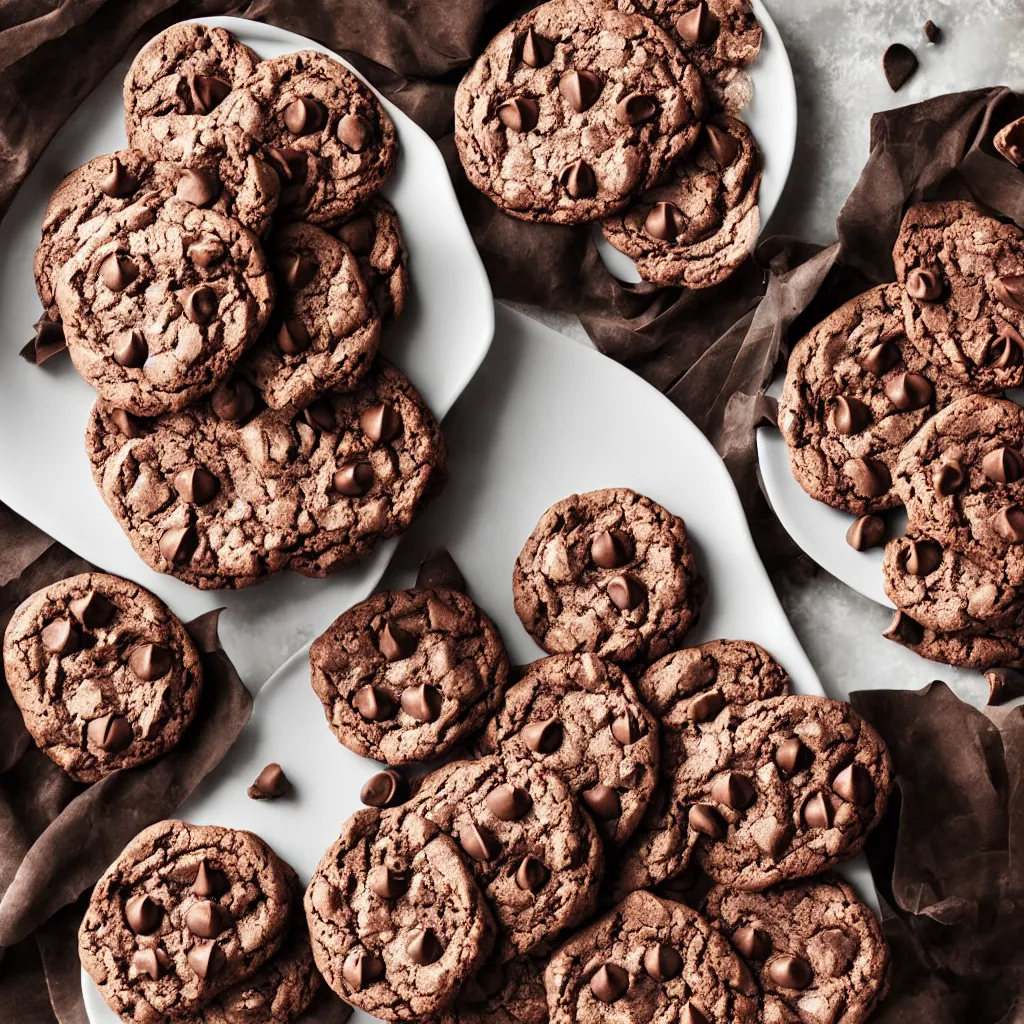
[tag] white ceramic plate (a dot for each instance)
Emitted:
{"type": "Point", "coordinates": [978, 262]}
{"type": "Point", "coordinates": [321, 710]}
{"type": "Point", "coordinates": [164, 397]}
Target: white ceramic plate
{"type": "Point", "coordinates": [44, 473]}
{"type": "Point", "coordinates": [771, 116]}
{"type": "Point", "coordinates": [520, 438]}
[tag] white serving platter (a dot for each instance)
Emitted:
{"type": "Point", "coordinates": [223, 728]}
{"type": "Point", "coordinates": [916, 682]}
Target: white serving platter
{"type": "Point", "coordinates": [772, 117]}
{"type": "Point", "coordinates": [44, 473]}
{"type": "Point", "coordinates": [544, 417]}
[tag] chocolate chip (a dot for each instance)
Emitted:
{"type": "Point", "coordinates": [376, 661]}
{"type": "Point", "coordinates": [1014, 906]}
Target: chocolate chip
{"type": "Point", "coordinates": [1004, 684]}
{"type": "Point", "coordinates": [438, 571]}
{"type": "Point", "coordinates": [610, 982]}
{"type": "Point", "coordinates": [205, 959]}
{"type": "Point", "coordinates": [691, 1015]}
{"type": "Point", "coordinates": [201, 304]}
{"type": "Point", "coordinates": [662, 962]}
{"type": "Point", "coordinates": [209, 91]}
{"type": "Point", "coordinates": [396, 643]}
{"type": "Point", "coordinates": [932, 32]}
{"type": "Point", "coordinates": [210, 881]}
{"type": "Point", "coordinates": [358, 234]}
{"type": "Point", "coordinates": [47, 342]}
{"type": "Point", "coordinates": [881, 358]}
{"type": "Point", "coordinates": [948, 478]}
{"type": "Point", "coordinates": [579, 180]}
{"type": "Point", "coordinates": [361, 970]}
{"type": "Point", "coordinates": [508, 803]}
{"type": "Point", "coordinates": [626, 729]}
{"type": "Point", "coordinates": [1008, 524]}
{"type": "Point", "coordinates": [143, 915]}
{"type": "Point", "coordinates": [196, 485]}
{"type": "Point", "coordinates": [319, 415]}
{"type": "Point", "coordinates": [698, 25]}
{"type": "Point", "coordinates": [909, 391]}
{"type": "Point", "coordinates": [373, 703]}
{"type": "Point", "coordinates": [611, 549]}
{"type": "Point", "coordinates": [898, 63]}
{"type": "Point", "coordinates": [1009, 290]}
{"type": "Point", "coordinates": [626, 592]}
{"type": "Point", "coordinates": [706, 820]}
{"type": "Point", "coordinates": [385, 789]}
{"type": "Point", "coordinates": [923, 557]}
{"type": "Point", "coordinates": [706, 706]}
{"type": "Point", "coordinates": [479, 842]}
{"type": "Point", "coordinates": [233, 400]}
{"type": "Point", "coordinates": [354, 132]}
{"type": "Point", "coordinates": [385, 883]}
{"type": "Point", "coordinates": [60, 637]}
{"type": "Point", "coordinates": [117, 182]}
{"type": "Point", "coordinates": [602, 801]}
{"type": "Point", "coordinates": [1006, 350]}
{"type": "Point", "coordinates": [423, 947]}
{"type": "Point", "coordinates": [270, 784]}
{"type": "Point", "coordinates": [206, 920]}
{"type": "Point", "coordinates": [580, 89]}
{"type": "Point", "coordinates": [790, 972]}
{"type": "Point", "coordinates": [380, 422]}
{"type": "Point", "coordinates": [292, 337]}
{"type": "Point", "coordinates": [422, 702]}
{"type": "Point", "coordinates": [289, 162]}
{"type": "Point", "coordinates": [149, 662]}
{"type": "Point", "coordinates": [297, 269]}
{"type": "Point", "coordinates": [206, 253]}
{"type": "Point", "coordinates": [441, 617]}
{"type": "Point", "coordinates": [131, 351]}
{"type": "Point", "coordinates": [853, 784]}
{"type": "Point", "coordinates": [303, 116]}
{"type": "Point", "coordinates": [721, 145]}
{"type": "Point", "coordinates": [753, 943]}
{"type": "Point", "coordinates": [733, 790]}
{"type": "Point", "coordinates": [852, 415]}
{"type": "Point", "coordinates": [904, 629]}
{"type": "Point", "coordinates": [774, 840]}
{"type": "Point", "coordinates": [537, 49]}
{"type": "Point", "coordinates": [792, 756]}
{"type": "Point", "coordinates": [636, 108]}
{"type": "Point", "coordinates": [543, 737]}
{"type": "Point", "coordinates": [924, 285]}
{"type": "Point", "coordinates": [200, 188]}
{"type": "Point", "coordinates": [663, 221]}
{"type": "Point", "coordinates": [532, 875]}
{"type": "Point", "coordinates": [519, 114]}
{"type": "Point", "coordinates": [1003, 465]}
{"type": "Point", "coordinates": [151, 962]}
{"type": "Point", "coordinates": [866, 532]}
{"type": "Point", "coordinates": [117, 272]}
{"type": "Point", "coordinates": [179, 544]}
{"type": "Point", "coordinates": [93, 610]}
{"type": "Point", "coordinates": [354, 479]}
{"type": "Point", "coordinates": [870, 477]}
{"type": "Point", "coordinates": [816, 812]}
{"type": "Point", "coordinates": [111, 733]}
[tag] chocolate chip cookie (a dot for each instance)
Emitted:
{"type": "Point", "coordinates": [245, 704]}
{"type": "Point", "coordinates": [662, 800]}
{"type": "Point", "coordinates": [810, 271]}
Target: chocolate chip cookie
{"type": "Point", "coordinates": [222, 495]}
{"type": "Point", "coordinates": [161, 302]}
{"type": "Point", "coordinates": [407, 674]}
{"type": "Point", "coordinates": [179, 77]}
{"type": "Point", "coordinates": [104, 674]}
{"type": "Point", "coordinates": [332, 141]}
{"type": "Point", "coordinates": [535, 853]}
{"type": "Point", "coordinates": [373, 235]}
{"type": "Point", "coordinates": [573, 110]}
{"type": "Point", "coordinates": [611, 573]}
{"type": "Point", "coordinates": [325, 331]}
{"type": "Point", "coordinates": [510, 993]}
{"type": "Point", "coordinates": [799, 783]}
{"type": "Point", "coordinates": [579, 716]}
{"type": "Point", "coordinates": [981, 650]}
{"type": "Point", "coordinates": [687, 691]}
{"type": "Point", "coordinates": [962, 275]}
{"type": "Point", "coordinates": [696, 228]}
{"type": "Point", "coordinates": [819, 952]}
{"type": "Point", "coordinates": [650, 959]}
{"type": "Point", "coordinates": [397, 922]}
{"type": "Point", "coordinates": [182, 914]}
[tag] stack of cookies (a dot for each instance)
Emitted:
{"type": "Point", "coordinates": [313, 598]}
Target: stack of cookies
{"type": "Point", "coordinates": [537, 876]}
{"type": "Point", "coordinates": [222, 283]}
{"type": "Point", "coordinates": [619, 112]}
{"type": "Point", "coordinates": [895, 399]}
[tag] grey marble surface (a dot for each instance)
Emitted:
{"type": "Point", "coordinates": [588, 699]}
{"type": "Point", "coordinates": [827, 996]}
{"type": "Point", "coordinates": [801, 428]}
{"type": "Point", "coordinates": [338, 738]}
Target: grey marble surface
{"type": "Point", "coordinates": [836, 47]}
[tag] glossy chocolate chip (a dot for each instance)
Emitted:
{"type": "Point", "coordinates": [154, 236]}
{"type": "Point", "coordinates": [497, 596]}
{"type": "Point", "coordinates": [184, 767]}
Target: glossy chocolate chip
{"type": "Point", "coordinates": [131, 350]}
{"type": "Point", "coordinates": [664, 221]}
{"type": "Point", "coordinates": [361, 970]}
{"type": "Point", "coordinates": [117, 182]}
{"type": "Point", "coordinates": [733, 790]}
{"type": "Point", "coordinates": [201, 305]}
{"type": "Point", "coordinates": [354, 479]}
{"type": "Point", "coordinates": [519, 114]}
{"type": "Point", "coordinates": [111, 733]}
{"type": "Point", "coordinates": [206, 919]}
{"type": "Point", "coordinates": [92, 610]}
{"type": "Point", "coordinates": [852, 415]}
{"type": "Point", "coordinates": [881, 358]}
{"type": "Point", "coordinates": [580, 89]}
{"type": "Point", "coordinates": [289, 162]}
{"type": "Point", "coordinates": [396, 643]}
{"type": "Point", "coordinates": [853, 784]}
{"type": "Point", "coordinates": [354, 132]}
{"type": "Point", "coordinates": [380, 422]}
{"type": "Point", "coordinates": [205, 959]}
{"type": "Point", "coordinates": [543, 737]}
{"type": "Point", "coordinates": [753, 943]}
{"type": "Point", "coordinates": [924, 285]}
{"type": "Point", "coordinates": [898, 64]}
{"type": "Point", "coordinates": [438, 571]}
{"type": "Point", "coordinates": [143, 914]}
{"type": "Point", "coordinates": [179, 544]}
{"type": "Point", "coordinates": [721, 145]}
{"type": "Point", "coordinates": [691, 1015]}
{"type": "Point", "coordinates": [196, 485]}
{"type": "Point", "coordinates": [909, 391]}
{"type": "Point", "coordinates": [209, 91]}
{"type": "Point", "coordinates": [508, 803]}
{"type": "Point", "coordinates": [479, 842]}
{"type": "Point", "coordinates": [198, 187]}
{"type": "Point", "coordinates": [790, 972]}
{"type": "Point", "coordinates": [207, 253]}
{"type": "Point", "coordinates": [626, 729]}
{"type": "Point", "coordinates": [210, 881]}
{"type": "Point", "coordinates": [422, 702]}
{"type": "Point", "coordinates": [47, 342]}
{"type": "Point", "coordinates": [385, 789]}
{"type": "Point", "coordinates": [319, 415]}
{"type": "Point", "coordinates": [636, 108]}
{"type": "Point", "coordinates": [706, 820]}
{"type": "Point", "coordinates": [292, 337]}
{"type": "Point", "coordinates": [153, 963]}
{"type": "Point", "coordinates": [923, 557]}
{"type": "Point", "coordinates": [602, 801]}
{"type": "Point", "coordinates": [423, 947]}
{"type": "Point", "coordinates": [303, 116]}
{"type": "Point", "coordinates": [870, 477]}
{"type": "Point", "coordinates": [791, 756]}
{"type": "Point", "coordinates": [611, 549]}
{"type": "Point", "coordinates": [817, 812]}
{"type": "Point", "coordinates": [866, 532]}
{"type": "Point", "coordinates": [129, 425]}
{"type": "Point", "coordinates": [698, 25]}
{"type": "Point", "coordinates": [1003, 465]}
{"type": "Point", "coordinates": [537, 49]}
{"type": "Point", "coordinates": [373, 703]}
{"type": "Point", "coordinates": [904, 629]}
{"type": "Point", "coordinates": [385, 883]}
{"type": "Point", "coordinates": [610, 982]}
{"type": "Point", "coordinates": [117, 272]}
{"type": "Point", "coordinates": [1004, 684]}
{"type": "Point", "coordinates": [297, 270]}
{"type": "Point", "coordinates": [706, 706]}
{"type": "Point", "coordinates": [578, 180]}
{"type": "Point", "coordinates": [60, 637]}
{"type": "Point", "coordinates": [150, 661]}
{"type": "Point", "coordinates": [948, 478]}
{"type": "Point", "coordinates": [271, 783]}
{"type": "Point", "coordinates": [1008, 524]}
{"type": "Point", "coordinates": [1006, 349]}
{"type": "Point", "coordinates": [532, 874]}
{"type": "Point", "coordinates": [662, 963]}
{"type": "Point", "coordinates": [932, 32]}
{"type": "Point", "coordinates": [626, 592]}
{"type": "Point", "coordinates": [1009, 290]}
{"type": "Point", "coordinates": [233, 401]}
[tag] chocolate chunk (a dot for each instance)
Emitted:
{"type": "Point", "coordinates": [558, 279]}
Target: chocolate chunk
{"type": "Point", "coordinates": [817, 812]}
{"type": "Point", "coordinates": [753, 943]}
{"type": "Point", "coordinates": [422, 702]}
{"type": "Point", "coordinates": [1008, 523]}
{"type": "Point", "coordinates": [117, 272]}
{"type": "Point", "coordinates": [292, 337]}
{"type": "Point", "coordinates": [948, 477]}
{"type": "Point", "coordinates": [852, 415]}
{"type": "Point", "coordinates": [733, 790]}
{"type": "Point", "coordinates": [870, 477]}
{"type": "Point", "coordinates": [1009, 290]}
{"type": "Point", "coordinates": [905, 629]}
{"type": "Point", "coordinates": [662, 962]}
{"type": "Point", "coordinates": [791, 756]}
{"type": "Point", "coordinates": [387, 884]}
{"type": "Point", "coordinates": [47, 342]}
{"type": "Point", "coordinates": [361, 970]}
{"type": "Point", "coordinates": [196, 485]}
{"type": "Point", "coordinates": [579, 180]}
{"type": "Point", "coordinates": [151, 962]}
{"type": "Point", "coordinates": [210, 881]}
{"type": "Point", "coordinates": [1006, 350]}
{"type": "Point", "coordinates": [924, 285]}
{"type": "Point", "coordinates": [611, 549]}
{"type": "Point", "coordinates": [373, 703]}
{"type": "Point", "coordinates": [200, 188]}
{"type": "Point", "coordinates": [438, 571]}
{"type": "Point", "coordinates": [721, 145]}
{"type": "Point", "coordinates": [603, 802]}
{"type": "Point", "coordinates": [610, 982]}
{"type": "Point", "coordinates": [1003, 465]}
{"type": "Point", "coordinates": [270, 783]}
{"type": "Point", "coordinates": [423, 947]}
{"type": "Point", "coordinates": [354, 479]}
{"type": "Point", "coordinates": [93, 610]}
{"type": "Point", "coordinates": [866, 532]}
{"type": "Point", "coordinates": [853, 784]}
{"type": "Point", "coordinates": [303, 116]}
{"type": "Point", "coordinates": [923, 557]}
{"type": "Point", "coordinates": [131, 351]}
{"type": "Point", "coordinates": [663, 221]}
{"type": "Point", "coordinates": [543, 737]}
{"type": "Point", "coordinates": [206, 959]}
{"type": "Point", "coordinates": [899, 63]}
{"type": "Point", "coordinates": [209, 91]}
{"type": "Point", "coordinates": [706, 820]}
{"type": "Point", "coordinates": [706, 706]}
{"type": "Point", "coordinates": [143, 915]}
{"type": "Point", "coordinates": [149, 662]}
{"type": "Point", "coordinates": [396, 643]}
{"type": "Point", "coordinates": [698, 25]}
{"type": "Point", "coordinates": [580, 89]}
{"type": "Point", "coordinates": [234, 400]}
{"type": "Point", "coordinates": [1004, 684]}
{"type": "Point", "coordinates": [118, 183]}
{"type": "Point", "coordinates": [909, 391]}
{"type": "Point", "coordinates": [790, 972]}
{"type": "Point", "coordinates": [626, 592]}
{"type": "Point", "coordinates": [932, 32]}
{"type": "Point", "coordinates": [206, 920]}
{"type": "Point", "coordinates": [385, 789]}
{"type": "Point", "coordinates": [201, 304]}
{"type": "Point", "coordinates": [626, 729]}
{"type": "Point", "coordinates": [60, 637]}
{"type": "Point", "coordinates": [636, 108]}
{"type": "Point", "coordinates": [380, 422]}
{"type": "Point", "coordinates": [479, 842]}
{"type": "Point", "coordinates": [881, 358]}
{"type": "Point", "coordinates": [537, 49]}
{"type": "Point", "coordinates": [508, 803]}
{"type": "Point", "coordinates": [354, 132]}
{"type": "Point", "coordinates": [178, 545]}
{"type": "Point", "coordinates": [519, 114]}
{"type": "Point", "coordinates": [206, 253]}
{"type": "Point", "coordinates": [532, 875]}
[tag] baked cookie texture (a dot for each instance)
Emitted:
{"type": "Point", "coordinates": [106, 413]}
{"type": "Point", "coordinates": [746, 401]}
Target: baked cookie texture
{"type": "Point", "coordinates": [397, 922]}
{"type": "Point", "coordinates": [408, 674]}
{"type": "Point", "coordinates": [181, 915]}
{"type": "Point", "coordinates": [222, 495]}
{"type": "Point", "coordinates": [580, 717]}
{"type": "Point", "coordinates": [982, 650]}
{"type": "Point", "coordinates": [817, 949]}
{"type": "Point", "coordinates": [105, 676]}
{"type": "Point", "coordinates": [696, 228]}
{"type": "Point", "coordinates": [373, 234]}
{"type": "Point", "coordinates": [630, 602]}
{"type": "Point", "coordinates": [510, 993]}
{"type": "Point", "coordinates": [573, 110]}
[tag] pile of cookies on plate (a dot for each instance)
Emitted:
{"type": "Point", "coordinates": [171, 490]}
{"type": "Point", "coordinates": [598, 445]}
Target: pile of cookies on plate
{"type": "Point", "coordinates": [223, 283]}
{"type": "Point", "coordinates": [896, 399]}
{"type": "Point", "coordinates": [619, 112]}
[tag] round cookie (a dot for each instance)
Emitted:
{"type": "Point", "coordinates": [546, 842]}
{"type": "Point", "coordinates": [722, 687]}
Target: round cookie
{"type": "Point", "coordinates": [962, 275]}
{"type": "Point", "coordinates": [407, 674]}
{"type": "Point", "coordinates": [611, 573]}
{"type": "Point", "coordinates": [819, 952]}
{"type": "Point", "coordinates": [696, 228]}
{"type": "Point", "coordinates": [800, 782]}
{"type": "Point", "coordinates": [331, 139]}
{"type": "Point", "coordinates": [510, 993]}
{"type": "Point", "coordinates": [650, 959]}
{"type": "Point", "coordinates": [856, 391]}
{"type": "Point", "coordinates": [182, 914]}
{"type": "Point", "coordinates": [179, 77]}
{"type": "Point", "coordinates": [105, 676]}
{"type": "Point", "coordinates": [536, 855]}
{"type": "Point", "coordinates": [222, 496]}
{"type": "Point", "coordinates": [161, 302]}
{"type": "Point", "coordinates": [325, 331]}
{"type": "Point", "coordinates": [687, 691]}
{"type": "Point", "coordinates": [373, 235]}
{"type": "Point", "coordinates": [397, 922]}
{"type": "Point", "coordinates": [983, 650]}
{"type": "Point", "coordinates": [573, 110]}
{"type": "Point", "coordinates": [579, 716]}
{"type": "Point", "coordinates": [962, 480]}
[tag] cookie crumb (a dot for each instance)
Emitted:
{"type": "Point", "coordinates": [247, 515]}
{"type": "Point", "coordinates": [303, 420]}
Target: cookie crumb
{"type": "Point", "coordinates": [899, 64]}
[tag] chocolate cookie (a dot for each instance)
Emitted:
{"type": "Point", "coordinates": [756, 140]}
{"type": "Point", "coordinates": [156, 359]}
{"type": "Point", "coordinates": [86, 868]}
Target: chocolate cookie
{"type": "Point", "coordinates": [331, 139]}
{"type": "Point", "coordinates": [325, 331]}
{"type": "Point", "coordinates": [179, 77]}
{"type": "Point", "coordinates": [1009, 141]}
{"type": "Point", "coordinates": [962, 275]}
{"type": "Point", "coordinates": [579, 716]}
{"type": "Point", "coordinates": [979, 650]}
{"type": "Point", "coordinates": [161, 302]}
{"type": "Point", "coordinates": [819, 952]}
{"type": "Point", "coordinates": [397, 922]}
{"type": "Point", "coordinates": [373, 235]}
{"type": "Point", "coordinates": [609, 572]}
{"type": "Point", "coordinates": [220, 499]}
{"type": "Point", "coordinates": [104, 674]}
{"type": "Point", "coordinates": [573, 110]}
{"type": "Point", "coordinates": [650, 960]}
{"type": "Point", "coordinates": [962, 480]}
{"type": "Point", "coordinates": [695, 229]}
{"type": "Point", "coordinates": [510, 993]}
{"type": "Point", "coordinates": [687, 692]}
{"type": "Point", "coordinates": [535, 853]}
{"type": "Point", "coordinates": [856, 391]}
{"type": "Point", "coordinates": [182, 914]}
{"type": "Point", "coordinates": [799, 783]}
{"type": "Point", "coordinates": [407, 674]}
